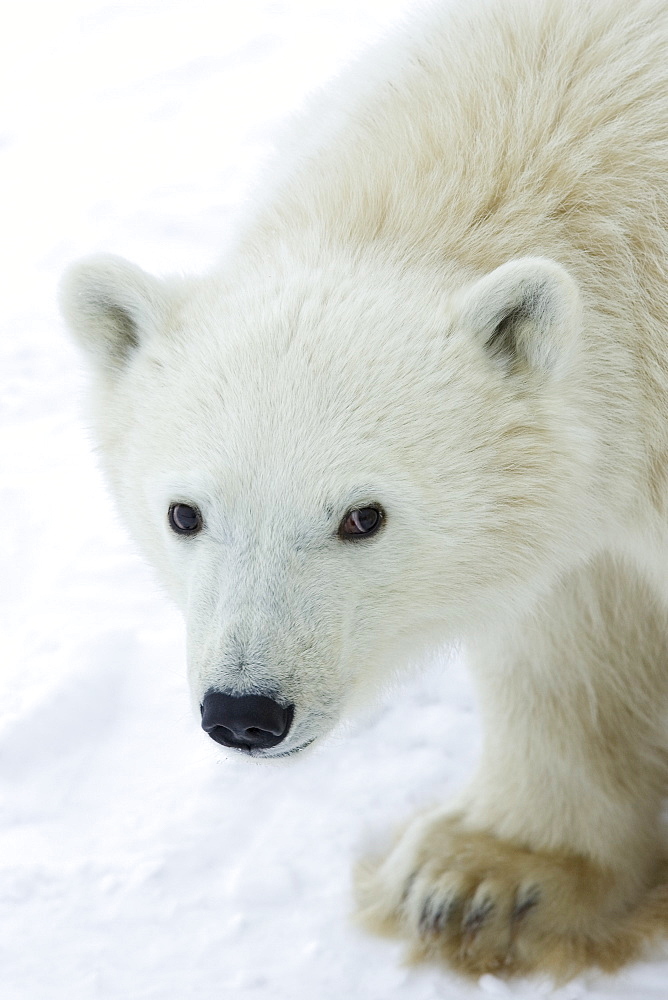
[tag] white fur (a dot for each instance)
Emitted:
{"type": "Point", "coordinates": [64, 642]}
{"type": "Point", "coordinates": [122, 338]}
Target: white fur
{"type": "Point", "coordinates": [450, 300]}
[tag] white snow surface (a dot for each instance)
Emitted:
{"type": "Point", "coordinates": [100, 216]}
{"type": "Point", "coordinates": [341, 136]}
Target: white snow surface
{"type": "Point", "coordinates": [137, 861]}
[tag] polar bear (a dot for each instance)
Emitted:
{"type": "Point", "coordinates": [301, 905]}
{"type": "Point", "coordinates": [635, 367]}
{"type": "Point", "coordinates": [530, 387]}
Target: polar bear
{"type": "Point", "coordinates": [425, 399]}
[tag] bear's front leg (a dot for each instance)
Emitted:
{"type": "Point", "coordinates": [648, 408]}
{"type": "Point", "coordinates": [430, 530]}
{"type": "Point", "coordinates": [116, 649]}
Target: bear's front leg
{"type": "Point", "coordinates": [551, 861]}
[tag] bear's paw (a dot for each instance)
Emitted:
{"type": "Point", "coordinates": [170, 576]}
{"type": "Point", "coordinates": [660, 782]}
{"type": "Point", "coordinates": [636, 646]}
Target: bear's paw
{"type": "Point", "coordinates": [484, 905]}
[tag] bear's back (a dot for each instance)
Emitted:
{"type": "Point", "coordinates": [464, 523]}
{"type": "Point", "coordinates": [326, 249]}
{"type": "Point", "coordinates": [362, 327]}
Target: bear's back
{"type": "Point", "coordinates": [487, 132]}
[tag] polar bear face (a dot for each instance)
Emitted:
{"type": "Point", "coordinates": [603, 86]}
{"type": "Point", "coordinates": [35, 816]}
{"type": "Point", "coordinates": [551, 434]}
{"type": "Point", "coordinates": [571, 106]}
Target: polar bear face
{"type": "Point", "coordinates": [329, 467]}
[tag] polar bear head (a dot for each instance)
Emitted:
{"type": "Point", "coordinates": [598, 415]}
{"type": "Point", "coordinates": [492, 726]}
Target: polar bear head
{"type": "Point", "coordinates": [329, 465]}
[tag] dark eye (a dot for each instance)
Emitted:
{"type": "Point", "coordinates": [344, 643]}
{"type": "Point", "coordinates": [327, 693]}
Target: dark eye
{"type": "Point", "coordinates": [362, 521]}
{"type": "Point", "coordinates": [184, 519]}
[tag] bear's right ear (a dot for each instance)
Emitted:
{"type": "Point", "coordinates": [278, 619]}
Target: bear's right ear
{"type": "Point", "coordinates": [110, 305]}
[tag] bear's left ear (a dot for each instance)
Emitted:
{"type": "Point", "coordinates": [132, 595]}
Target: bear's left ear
{"type": "Point", "coordinates": [111, 306]}
{"type": "Point", "coordinates": [526, 312]}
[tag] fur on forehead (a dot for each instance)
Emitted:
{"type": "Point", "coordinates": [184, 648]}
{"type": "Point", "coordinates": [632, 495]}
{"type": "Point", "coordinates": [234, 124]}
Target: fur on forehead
{"type": "Point", "coordinates": [322, 342]}
{"type": "Point", "coordinates": [339, 309]}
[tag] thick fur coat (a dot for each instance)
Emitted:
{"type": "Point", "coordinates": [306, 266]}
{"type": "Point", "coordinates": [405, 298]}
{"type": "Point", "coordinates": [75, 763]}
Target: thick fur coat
{"type": "Point", "coordinates": [449, 305]}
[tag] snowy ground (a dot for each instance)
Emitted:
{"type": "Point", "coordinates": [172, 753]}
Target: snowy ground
{"type": "Point", "coordinates": [136, 861]}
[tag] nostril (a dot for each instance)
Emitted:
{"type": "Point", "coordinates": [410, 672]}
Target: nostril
{"type": "Point", "coordinates": [246, 722]}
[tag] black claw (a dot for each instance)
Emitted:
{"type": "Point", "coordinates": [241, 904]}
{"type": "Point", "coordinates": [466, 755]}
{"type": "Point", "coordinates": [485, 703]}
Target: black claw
{"type": "Point", "coordinates": [477, 916]}
{"type": "Point", "coordinates": [526, 902]}
{"type": "Point", "coordinates": [407, 888]}
{"type": "Point", "coordinates": [439, 919]}
{"type": "Point", "coordinates": [435, 916]}
{"type": "Point", "coordinates": [442, 915]}
{"type": "Point", "coordinates": [426, 923]}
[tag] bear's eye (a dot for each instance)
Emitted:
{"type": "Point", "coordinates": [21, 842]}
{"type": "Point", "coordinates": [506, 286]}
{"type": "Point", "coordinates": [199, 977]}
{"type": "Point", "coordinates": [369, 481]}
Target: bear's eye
{"type": "Point", "coordinates": [361, 522]}
{"type": "Point", "coordinates": [184, 519]}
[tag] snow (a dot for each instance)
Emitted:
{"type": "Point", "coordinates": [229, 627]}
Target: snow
{"type": "Point", "coordinates": [137, 861]}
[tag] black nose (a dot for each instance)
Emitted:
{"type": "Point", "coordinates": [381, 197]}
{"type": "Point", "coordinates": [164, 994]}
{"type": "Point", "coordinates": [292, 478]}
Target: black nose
{"type": "Point", "coordinates": [246, 722]}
